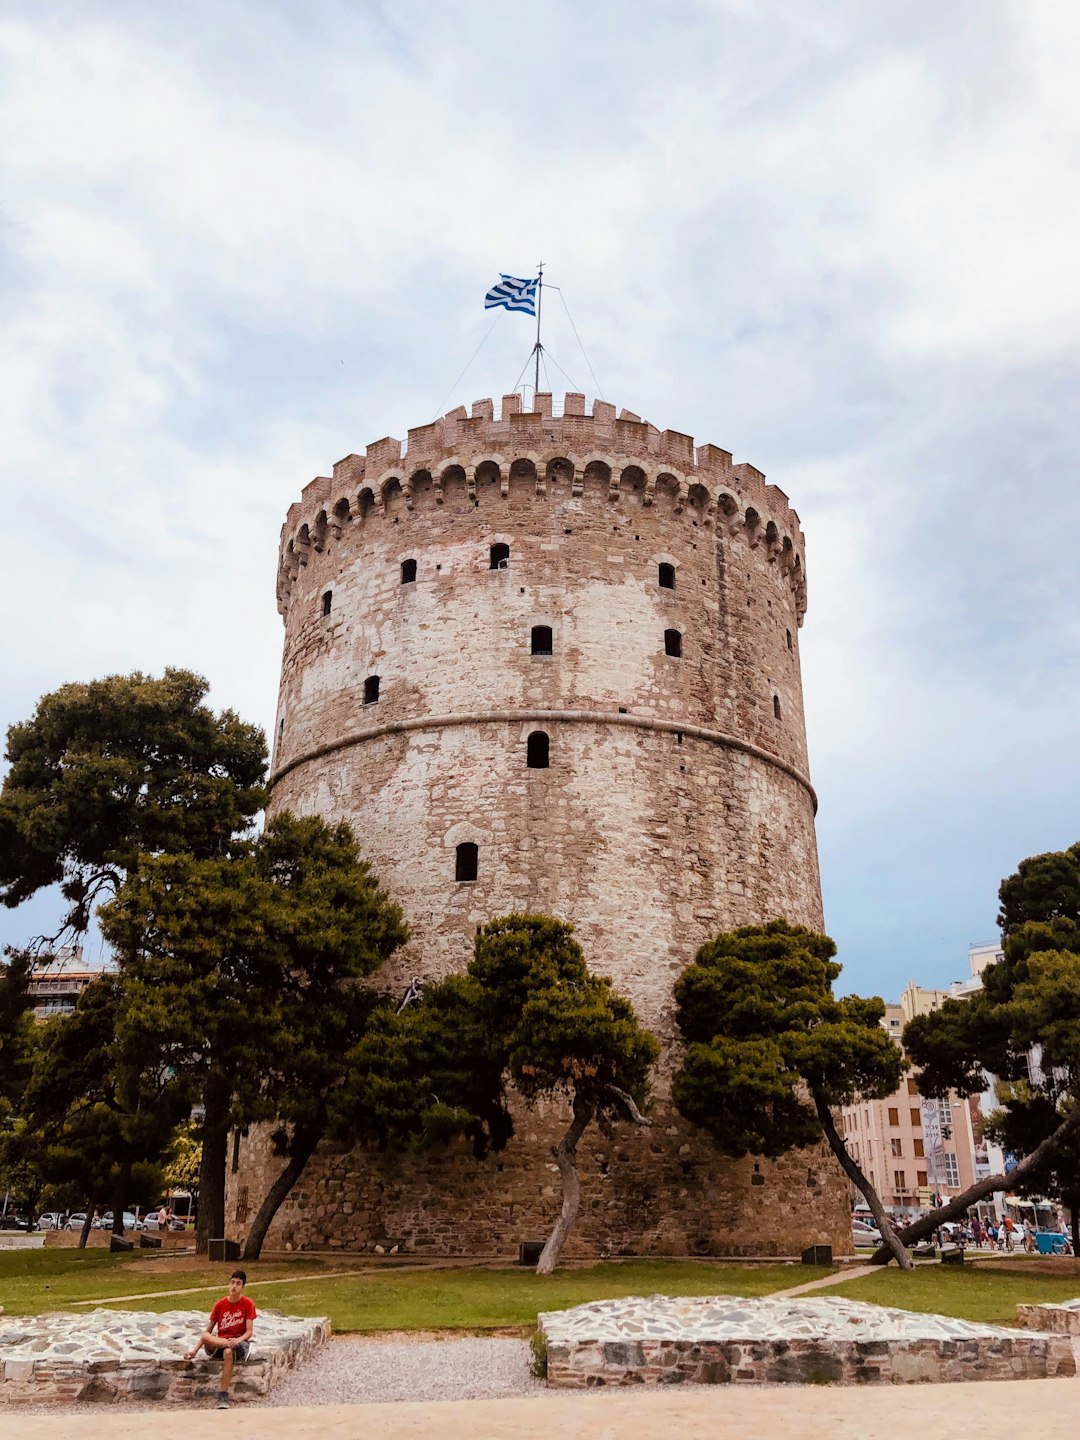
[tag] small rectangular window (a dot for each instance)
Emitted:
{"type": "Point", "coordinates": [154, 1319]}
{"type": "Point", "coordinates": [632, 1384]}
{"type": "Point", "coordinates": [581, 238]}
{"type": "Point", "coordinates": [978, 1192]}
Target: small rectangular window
{"type": "Point", "coordinates": [922, 1177]}
{"type": "Point", "coordinates": [919, 1151]}
{"type": "Point", "coordinates": [465, 862]}
{"type": "Point", "coordinates": [899, 1180]}
{"type": "Point", "coordinates": [327, 601]}
{"type": "Point", "coordinates": [912, 1086]}
{"type": "Point", "coordinates": [673, 643]}
{"type": "Point", "coordinates": [916, 1117]}
{"type": "Point", "coordinates": [541, 640]}
{"type": "Point", "coordinates": [408, 572]}
{"type": "Point", "coordinates": [894, 1115]}
{"type": "Point", "coordinates": [666, 577]}
{"type": "Point", "coordinates": [897, 1147]}
{"type": "Point", "coordinates": [371, 689]}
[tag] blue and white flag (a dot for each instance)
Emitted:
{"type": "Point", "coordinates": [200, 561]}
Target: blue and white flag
{"type": "Point", "coordinates": [513, 294]}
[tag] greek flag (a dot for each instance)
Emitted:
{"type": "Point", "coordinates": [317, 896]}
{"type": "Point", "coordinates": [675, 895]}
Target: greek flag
{"type": "Point", "coordinates": [513, 294]}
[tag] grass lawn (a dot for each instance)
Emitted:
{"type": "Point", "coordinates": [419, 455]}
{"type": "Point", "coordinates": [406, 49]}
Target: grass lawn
{"type": "Point", "coordinates": [32, 1282]}
{"type": "Point", "coordinates": [987, 1291]}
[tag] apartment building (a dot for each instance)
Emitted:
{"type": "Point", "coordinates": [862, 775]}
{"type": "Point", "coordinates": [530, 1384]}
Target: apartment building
{"type": "Point", "coordinates": [55, 983]}
{"type": "Point", "coordinates": [913, 1147]}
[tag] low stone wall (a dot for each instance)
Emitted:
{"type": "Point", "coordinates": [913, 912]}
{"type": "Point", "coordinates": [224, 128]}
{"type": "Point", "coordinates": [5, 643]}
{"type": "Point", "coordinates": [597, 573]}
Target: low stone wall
{"type": "Point", "coordinates": [725, 1340]}
{"type": "Point", "coordinates": [136, 1357]}
{"type": "Point", "coordinates": [1063, 1319]}
{"type": "Point", "coordinates": [69, 1239]}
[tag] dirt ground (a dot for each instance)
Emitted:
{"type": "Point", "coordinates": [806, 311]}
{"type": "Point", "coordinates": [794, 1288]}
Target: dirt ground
{"type": "Point", "coordinates": [1046, 1408]}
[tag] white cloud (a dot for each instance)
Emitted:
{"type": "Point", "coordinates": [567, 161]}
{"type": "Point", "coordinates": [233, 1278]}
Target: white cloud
{"type": "Point", "coordinates": [241, 241]}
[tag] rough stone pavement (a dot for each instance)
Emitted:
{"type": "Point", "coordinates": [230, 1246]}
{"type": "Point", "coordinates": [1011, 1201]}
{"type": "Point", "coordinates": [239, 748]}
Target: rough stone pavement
{"type": "Point", "coordinates": [1046, 1408]}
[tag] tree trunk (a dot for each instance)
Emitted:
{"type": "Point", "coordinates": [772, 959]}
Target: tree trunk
{"type": "Point", "coordinates": [215, 1138]}
{"type": "Point", "coordinates": [85, 1231]}
{"type": "Point", "coordinates": [302, 1149]}
{"type": "Point", "coordinates": [860, 1181]}
{"type": "Point", "coordinates": [119, 1198]}
{"type": "Point", "coordinates": [928, 1223]}
{"type": "Point", "coordinates": [566, 1158]}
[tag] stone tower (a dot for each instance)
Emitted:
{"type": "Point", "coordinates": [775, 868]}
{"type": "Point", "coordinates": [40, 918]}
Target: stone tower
{"type": "Point", "coordinates": [550, 662]}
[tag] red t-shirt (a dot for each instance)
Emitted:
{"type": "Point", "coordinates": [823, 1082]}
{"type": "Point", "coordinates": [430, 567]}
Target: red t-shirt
{"type": "Point", "coordinates": [232, 1320]}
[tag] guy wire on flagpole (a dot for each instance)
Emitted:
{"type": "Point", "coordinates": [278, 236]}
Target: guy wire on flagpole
{"type": "Point", "coordinates": [472, 357]}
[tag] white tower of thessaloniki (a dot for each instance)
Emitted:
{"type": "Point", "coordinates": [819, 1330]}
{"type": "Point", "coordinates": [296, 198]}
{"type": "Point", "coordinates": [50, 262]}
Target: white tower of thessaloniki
{"type": "Point", "coordinates": [550, 663]}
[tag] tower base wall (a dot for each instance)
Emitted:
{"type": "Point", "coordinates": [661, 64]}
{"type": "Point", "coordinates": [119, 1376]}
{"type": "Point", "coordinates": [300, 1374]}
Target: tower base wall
{"type": "Point", "coordinates": [657, 1191]}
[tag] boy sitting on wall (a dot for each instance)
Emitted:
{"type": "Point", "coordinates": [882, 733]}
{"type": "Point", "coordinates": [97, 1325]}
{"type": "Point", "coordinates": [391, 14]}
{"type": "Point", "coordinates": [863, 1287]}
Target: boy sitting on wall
{"type": "Point", "coordinates": [233, 1317]}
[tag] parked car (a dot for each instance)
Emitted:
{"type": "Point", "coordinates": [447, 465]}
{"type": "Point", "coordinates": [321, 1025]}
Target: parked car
{"type": "Point", "coordinates": [76, 1221]}
{"type": "Point", "coordinates": [11, 1221]}
{"type": "Point", "coordinates": [130, 1222]}
{"type": "Point", "coordinates": [863, 1234]}
{"type": "Point", "coordinates": [51, 1220]}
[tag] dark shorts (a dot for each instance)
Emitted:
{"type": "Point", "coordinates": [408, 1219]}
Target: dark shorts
{"type": "Point", "coordinates": [240, 1349]}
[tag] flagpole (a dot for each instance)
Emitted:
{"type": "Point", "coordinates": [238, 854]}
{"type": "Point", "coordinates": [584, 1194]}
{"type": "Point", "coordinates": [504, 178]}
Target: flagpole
{"type": "Point", "coordinates": [538, 348]}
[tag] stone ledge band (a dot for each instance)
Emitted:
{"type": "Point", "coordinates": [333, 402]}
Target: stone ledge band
{"type": "Point", "coordinates": [514, 717]}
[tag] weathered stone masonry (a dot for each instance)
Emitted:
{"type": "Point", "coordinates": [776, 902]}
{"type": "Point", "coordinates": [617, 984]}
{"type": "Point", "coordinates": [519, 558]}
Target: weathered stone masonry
{"type": "Point", "coordinates": [675, 803]}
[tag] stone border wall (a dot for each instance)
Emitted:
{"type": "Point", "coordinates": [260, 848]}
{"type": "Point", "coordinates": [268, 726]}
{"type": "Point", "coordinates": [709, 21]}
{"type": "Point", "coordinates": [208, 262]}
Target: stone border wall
{"type": "Point", "coordinates": [142, 1381]}
{"type": "Point", "coordinates": [1058, 1319]}
{"type": "Point", "coordinates": [806, 1362]}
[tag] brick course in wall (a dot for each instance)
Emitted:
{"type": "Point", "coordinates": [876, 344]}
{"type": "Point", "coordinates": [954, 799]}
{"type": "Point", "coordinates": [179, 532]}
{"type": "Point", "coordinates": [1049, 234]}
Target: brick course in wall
{"type": "Point", "coordinates": [676, 802]}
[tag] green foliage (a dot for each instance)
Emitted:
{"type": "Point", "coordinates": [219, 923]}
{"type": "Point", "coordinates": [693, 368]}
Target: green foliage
{"type": "Point", "coordinates": [428, 1073]}
{"type": "Point", "coordinates": [764, 1030]}
{"type": "Point", "coordinates": [119, 767]}
{"type": "Point", "coordinates": [17, 1032]}
{"type": "Point", "coordinates": [742, 1093]}
{"type": "Point", "coordinates": [239, 974]}
{"type": "Point", "coordinates": [1030, 998]}
{"type": "Point", "coordinates": [241, 966]}
{"type": "Point", "coordinates": [538, 1347]}
{"type": "Point", "coordinates": [182, 1162]}
{"type": "Point", "coordinates": [526, 1008]}
{"type": "Point", "coordinates": [96, 1113]}
{"type": "Point", "coordinates": [1045, 888]}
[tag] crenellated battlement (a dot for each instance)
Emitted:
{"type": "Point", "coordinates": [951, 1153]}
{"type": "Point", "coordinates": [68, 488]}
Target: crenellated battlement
{"type": "Point", "coordinates": [619, 455]}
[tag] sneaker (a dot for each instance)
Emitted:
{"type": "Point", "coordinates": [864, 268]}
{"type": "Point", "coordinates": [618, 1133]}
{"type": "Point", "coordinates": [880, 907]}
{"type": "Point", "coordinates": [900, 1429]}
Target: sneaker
{"type": "Point", "coordinates": [223, 1401]}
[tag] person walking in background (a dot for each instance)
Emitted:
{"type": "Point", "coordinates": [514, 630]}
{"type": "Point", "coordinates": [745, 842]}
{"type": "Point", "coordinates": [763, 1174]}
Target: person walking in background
{"type": "Point", "coordinates": [233, 1317]}
{"type": "Point", "coordinates": [976, 1232]}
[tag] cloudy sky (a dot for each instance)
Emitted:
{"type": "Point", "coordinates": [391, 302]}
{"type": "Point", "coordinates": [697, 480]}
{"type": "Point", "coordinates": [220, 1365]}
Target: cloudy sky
{"type": "Point", "coordinates": [240, 240]}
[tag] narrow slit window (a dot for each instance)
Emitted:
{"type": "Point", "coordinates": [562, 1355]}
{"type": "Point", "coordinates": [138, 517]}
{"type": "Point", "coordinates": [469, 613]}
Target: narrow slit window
{"type": "Point", "coordinates": [500, 557]}
{"type": "Point", "coordinates": [538, 750]}
{"type": "Point", "coordinates": [673, 643]}
{"type": "Point", "coordinates": [408, 572]}
{"type": "Point", "coordinates": [789, 644]}
{"type": "Point", "coordinates": [371, 689]}
{"type": "Point", "coordinates": [465, 862]}
{"type": "Point", "coordinates": [776, 706]}
{"type": "Point", "coordinates": [541, 639]}
{"type": "Point", "coordinates": [667, 577]}
{"type": "Point", "coordinates": [327, 601]}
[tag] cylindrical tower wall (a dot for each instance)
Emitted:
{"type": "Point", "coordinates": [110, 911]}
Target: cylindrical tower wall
{"type": "Point", "coordinates": [665, 588]}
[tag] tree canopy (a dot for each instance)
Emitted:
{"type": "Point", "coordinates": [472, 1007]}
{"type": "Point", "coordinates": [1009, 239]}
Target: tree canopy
{"type": "Point", "coordinates": [527, 1010]}
{"type": "Point", "coordinates": [238, 975]}
{"type": "Point", "coordinates": [116, 768]}
{"type": "Point", "coordinates": [98, 1113]}
{"type": "Point", "coordinates": [771, 1050]}
{"type": "Point", "coordinates": [1027, 1009]}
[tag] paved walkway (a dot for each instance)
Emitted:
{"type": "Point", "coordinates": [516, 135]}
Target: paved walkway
{"type": "Point", "coordinates": [215, 1286]}
{"type": "Point", "coordinates": [1046, 1408]}
{"type": "Point", "coordinates": [853, 1272]}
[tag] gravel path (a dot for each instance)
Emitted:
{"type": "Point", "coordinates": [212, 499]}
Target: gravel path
{"type": "Point", "coordinates": [356, 1370]}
